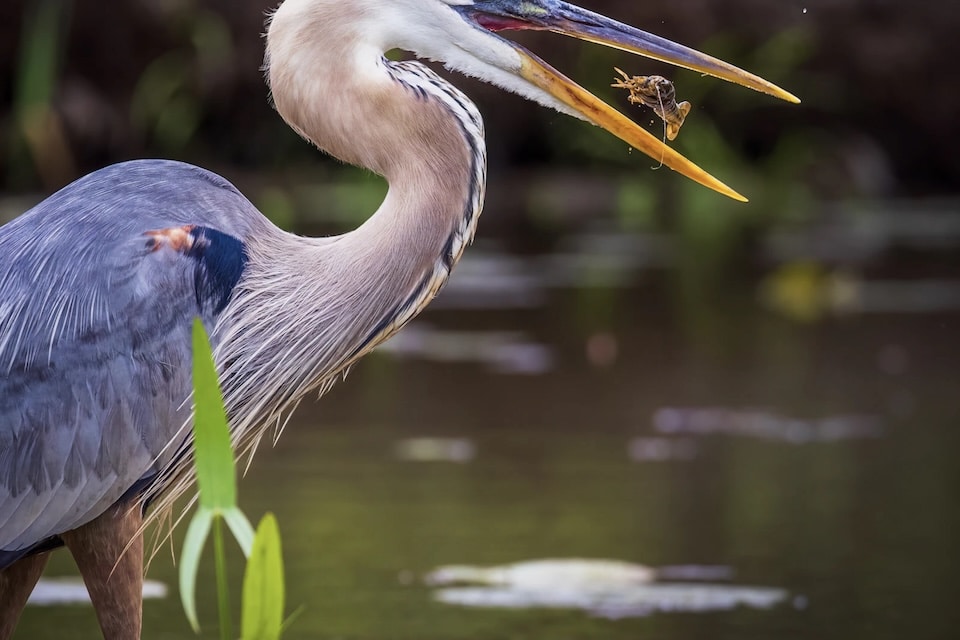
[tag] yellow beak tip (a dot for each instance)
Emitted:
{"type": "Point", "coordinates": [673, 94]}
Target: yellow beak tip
{"type": "Point", "coordinates": [733, 195]}
{"type": "Point", "coordinates": [721, 188]}
{"type": "Point", "coordinates": [786, 95]}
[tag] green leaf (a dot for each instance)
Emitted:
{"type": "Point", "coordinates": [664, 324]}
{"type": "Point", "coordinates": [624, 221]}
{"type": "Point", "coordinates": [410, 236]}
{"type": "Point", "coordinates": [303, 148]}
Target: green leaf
{"type": "Point", "coordinates": [216, 476]}
{"type": "Point", "coordinates": [241, 529]}
{"type": "Point", "coordinates": [263, 591]}
{"type": "Point", "coordinates": [193, 543]}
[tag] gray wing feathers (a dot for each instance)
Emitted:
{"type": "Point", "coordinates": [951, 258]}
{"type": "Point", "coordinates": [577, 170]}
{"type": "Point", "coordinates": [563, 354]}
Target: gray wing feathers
{"type": "Point", "coordinates": [95, 339]}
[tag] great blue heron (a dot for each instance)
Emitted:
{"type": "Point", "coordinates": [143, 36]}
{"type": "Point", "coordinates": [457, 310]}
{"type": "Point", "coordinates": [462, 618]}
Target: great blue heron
{"type": "Point", "coordinates": [99, 283]}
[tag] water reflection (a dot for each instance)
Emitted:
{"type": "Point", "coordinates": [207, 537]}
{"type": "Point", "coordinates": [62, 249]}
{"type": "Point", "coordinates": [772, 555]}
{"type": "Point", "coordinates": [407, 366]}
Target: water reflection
{"type": "Point", "coordinates": [808, 291]}
{"type": "Point", "coordinates": [425, 449]}
{"type": "Point", "coordinates": [71, 590]}
{"type": "Point", "coordinates": [604, 588]}
{"type": "Point", "coordinates": [500, 351]}
{"type": "Point", "coordinates": [653, 449]}
{"type": "Point", "coordinates": [769, 425]}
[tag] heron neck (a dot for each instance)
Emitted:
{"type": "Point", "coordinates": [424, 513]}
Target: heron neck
{"type": "Point", "coordinates": [333, 85]}
{"type": "Point", "coordinates": [340, 297]}
{"type": "Point", "coordinates": [405, 123]}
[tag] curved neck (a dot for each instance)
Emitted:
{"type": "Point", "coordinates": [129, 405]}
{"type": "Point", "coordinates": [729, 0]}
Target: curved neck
{"type": "Point", "coordinates": [308, 308]}
{"type": "Point", "coordinates": [332, 84]}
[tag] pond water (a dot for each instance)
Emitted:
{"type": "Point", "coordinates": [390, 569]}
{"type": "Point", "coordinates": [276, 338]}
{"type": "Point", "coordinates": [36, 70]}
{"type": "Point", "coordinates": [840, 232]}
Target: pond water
{"type": "Point", "coordinates": [815, 462]}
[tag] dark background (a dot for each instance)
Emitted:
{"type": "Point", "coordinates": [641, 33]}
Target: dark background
{"type": "Point", "coordinates": [181, 78]}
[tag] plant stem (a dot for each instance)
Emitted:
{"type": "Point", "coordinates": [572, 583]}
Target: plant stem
{"type": "Point", "coordinates": [223, 591]}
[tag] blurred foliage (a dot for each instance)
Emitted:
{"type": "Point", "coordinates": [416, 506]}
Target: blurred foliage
{"type": "Point", "coordinates": [167, 101]}
{"type": "Point", "coordinates": [163, 106]}
{"type": "Point", "coordinates": [182, 77]}
{"type": "Point", "coordinates": [38, 133]}
{"type": "Point", "coordinates": [92, 83]}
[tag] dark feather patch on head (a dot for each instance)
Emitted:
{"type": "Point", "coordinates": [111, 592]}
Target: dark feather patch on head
{"type": "Point", "coordinates": [221, 259]}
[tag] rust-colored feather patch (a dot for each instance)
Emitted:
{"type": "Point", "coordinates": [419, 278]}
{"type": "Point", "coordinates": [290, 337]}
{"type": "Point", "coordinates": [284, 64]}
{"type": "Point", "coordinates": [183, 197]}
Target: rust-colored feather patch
{"type": "Point", "coordinates": [176, 238]}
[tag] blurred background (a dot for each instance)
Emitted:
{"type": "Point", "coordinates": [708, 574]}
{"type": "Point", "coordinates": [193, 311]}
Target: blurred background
{"type": "Point", "coordinates": [625, 365]}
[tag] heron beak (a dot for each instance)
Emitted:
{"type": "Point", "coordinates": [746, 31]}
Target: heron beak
{"type": "Point", "coordinates": [570, 20]}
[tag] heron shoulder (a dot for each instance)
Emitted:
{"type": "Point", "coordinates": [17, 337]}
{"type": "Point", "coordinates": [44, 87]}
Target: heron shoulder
{"type": "Point", "coordinates": [95, 325]}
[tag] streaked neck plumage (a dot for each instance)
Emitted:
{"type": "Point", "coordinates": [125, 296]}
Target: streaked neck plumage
{"type": "Point", "coordinates": [342, 296]}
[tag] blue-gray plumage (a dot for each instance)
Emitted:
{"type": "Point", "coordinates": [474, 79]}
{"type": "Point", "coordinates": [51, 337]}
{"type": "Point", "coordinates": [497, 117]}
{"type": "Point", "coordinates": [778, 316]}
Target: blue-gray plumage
{"type": "Point", "coordinates": [100, 283]}
{"type": "Point", "coordinates": [93, 343]}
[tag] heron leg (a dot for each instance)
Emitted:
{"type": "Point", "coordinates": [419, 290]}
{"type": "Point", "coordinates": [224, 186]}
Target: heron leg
{"type": "Point", "coordinates": [16, 583]}
{"type": "Point", "coordinates": [109, 553]}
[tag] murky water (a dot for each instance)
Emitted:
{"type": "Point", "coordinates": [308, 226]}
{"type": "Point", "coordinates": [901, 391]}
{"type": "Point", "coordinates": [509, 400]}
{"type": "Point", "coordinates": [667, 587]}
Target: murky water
{"type": "Point", "coordinates": [816, 461]}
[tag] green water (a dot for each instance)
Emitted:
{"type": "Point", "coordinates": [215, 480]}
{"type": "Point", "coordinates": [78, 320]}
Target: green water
{"type": "Point", "coordinates": [862, 532]}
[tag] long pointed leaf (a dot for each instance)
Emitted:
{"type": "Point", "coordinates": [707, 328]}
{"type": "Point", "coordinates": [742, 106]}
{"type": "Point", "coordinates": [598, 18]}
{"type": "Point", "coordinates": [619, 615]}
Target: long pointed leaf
{"type": "Point", "coordinates": [263, 589]}
{"type": "Point", "coordinates": [241, 529]}
{"type": "Point", "coordinates": [216, 475]}
{"type": "Point", "coordinates": [193, 543]}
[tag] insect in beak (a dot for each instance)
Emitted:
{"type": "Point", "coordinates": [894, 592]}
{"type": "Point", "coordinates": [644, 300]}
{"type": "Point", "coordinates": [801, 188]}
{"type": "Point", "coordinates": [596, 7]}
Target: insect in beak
{"type": "Point", "coordinates": [567, 19]}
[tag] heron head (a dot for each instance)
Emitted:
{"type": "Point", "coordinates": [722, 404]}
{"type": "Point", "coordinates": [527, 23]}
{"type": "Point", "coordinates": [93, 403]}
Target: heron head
{"type": "Point", "coordinates": [466, 35]}
{"type": "Point", "coordinates": [473, 44]}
